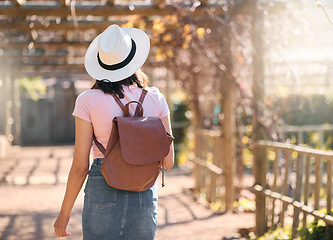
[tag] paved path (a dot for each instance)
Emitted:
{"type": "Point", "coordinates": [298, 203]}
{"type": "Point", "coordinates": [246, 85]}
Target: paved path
{"type": "Point", "coordinates": [32, 184]}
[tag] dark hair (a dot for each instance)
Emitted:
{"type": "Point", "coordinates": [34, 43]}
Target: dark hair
{"type": "Point", "coordinates": [138, 78]}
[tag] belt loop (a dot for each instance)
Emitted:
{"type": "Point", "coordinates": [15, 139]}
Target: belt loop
{"type": "Point", "coordinates": [98, 161]}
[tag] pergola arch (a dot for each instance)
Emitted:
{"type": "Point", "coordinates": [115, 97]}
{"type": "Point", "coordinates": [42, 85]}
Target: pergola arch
{"type": "Point", "coordinates": [24, 53]}
{"type": "Point", "coordinates": [67, 20]}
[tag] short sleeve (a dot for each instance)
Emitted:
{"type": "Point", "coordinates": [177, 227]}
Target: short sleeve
{"type": "Point", "coordinates": [164, 107]}
{"type": "Point", "coordinates": [81, 109]}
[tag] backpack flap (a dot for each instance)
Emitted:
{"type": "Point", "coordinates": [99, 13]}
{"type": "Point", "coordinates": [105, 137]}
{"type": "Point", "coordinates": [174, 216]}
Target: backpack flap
{"type": "Point", "coordinates": [143, 140]}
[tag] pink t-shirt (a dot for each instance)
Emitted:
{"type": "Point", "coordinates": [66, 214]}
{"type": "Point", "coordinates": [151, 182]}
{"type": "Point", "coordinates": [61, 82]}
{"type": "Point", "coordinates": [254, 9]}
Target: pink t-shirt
{"type": "Point", "coordinates": [99, 108]}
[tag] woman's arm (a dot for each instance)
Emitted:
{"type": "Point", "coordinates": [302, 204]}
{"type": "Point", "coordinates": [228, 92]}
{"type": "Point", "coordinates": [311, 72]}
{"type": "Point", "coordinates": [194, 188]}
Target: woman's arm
{"type": "Point", "coordinates": [77, 174]}
{"type": "Point", "coordinates": [169, 159]}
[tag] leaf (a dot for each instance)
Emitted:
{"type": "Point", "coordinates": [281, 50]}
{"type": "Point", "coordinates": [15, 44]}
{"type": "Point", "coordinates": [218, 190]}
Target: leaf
{"type": "Point", "coordinates": [169, 53]}
{"type": "Point", "coordinates": [187, 30]}
{"type": "Point", "coordinates": [158, 26]}
{"type": "Point", "coordinates": [167, 37]}
{"type": "Point", "coordinates": [201, 33]}
{"type": "Point", "coordinates": [159, 55]}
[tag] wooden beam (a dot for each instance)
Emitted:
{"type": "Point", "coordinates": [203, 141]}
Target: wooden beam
{"type": "Point", "coordinates": [102, 10]}
{"type": "Point", "coordinates": [24, 25]}
{"type": "Point", "coordinates": [47, 69]}
{"type": "Point", "coordinates": [58, 73]}
{"type": "Point", "coordinates": [62, 63]}
{"type": "Point", "coordinates": [53, 71]}
{"type": "Point", "coordinates": [51, 67]}
{"type": "Point", "coordinates": [44, 45]}
{"type": "Point", "coordinates": [41, 57]}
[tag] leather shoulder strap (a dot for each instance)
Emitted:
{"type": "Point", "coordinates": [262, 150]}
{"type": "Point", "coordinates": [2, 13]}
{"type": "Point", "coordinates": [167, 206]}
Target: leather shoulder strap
{"type": "Point", "coordinates": [98, 144]}
{"type": "Point", "coordinates": [142, 97]}
{"type": "Point", "coordinates": [121, 105]}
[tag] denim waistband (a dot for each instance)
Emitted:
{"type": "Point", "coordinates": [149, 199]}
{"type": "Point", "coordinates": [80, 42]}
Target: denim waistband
{"type": "Point", "coordinates": [97, 161]}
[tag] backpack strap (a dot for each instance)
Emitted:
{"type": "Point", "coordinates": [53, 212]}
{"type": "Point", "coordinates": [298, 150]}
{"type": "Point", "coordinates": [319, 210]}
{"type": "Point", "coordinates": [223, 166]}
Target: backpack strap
{"type": "Point", "coordinates": [98, 144]}
{"type": "Point", "coordinates": [142, 97]}
{"type": "Point", "coordinates": [138, 108]}
{"type": "Point", "coordinates": [121, 105]}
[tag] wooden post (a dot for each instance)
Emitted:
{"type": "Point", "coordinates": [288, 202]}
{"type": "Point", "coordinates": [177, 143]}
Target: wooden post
{"type": "Point", "coordinates": [229, 126]}
{"type": "Point", "coordinates": [306, 188]}
{"type": "Point", "coordinates": [259, 153]}
{"type": "Point", "coordinates": [329, 192]}
{"type": "Point", "coordinates": [260, 170]}
{"type": "Point", "coordinates": [220, 163]}
{"type": "Point", "coordinates": [202, 170]}
{"type": "Point", "coordinates": [239, 162]}
{"type": "Point", "coordinates": [329, 186]}
{"type": "Point", "coordinates": [197, 167]}
{"type": "Point", "coordinates": [298, 193]}
{"type": "Point", "coordinates": [318, 172]}
{"type": "Point", "coordinates": [285, 186]}
{"type": "Point", "coordinates": [274, 187]}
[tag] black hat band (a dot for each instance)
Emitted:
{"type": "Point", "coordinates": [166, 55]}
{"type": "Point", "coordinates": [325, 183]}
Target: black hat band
{"type": "Point", "coordinates": [121, 64]}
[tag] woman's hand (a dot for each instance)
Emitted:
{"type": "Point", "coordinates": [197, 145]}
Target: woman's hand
{"type": "Point", "coordinates": [60, 225]}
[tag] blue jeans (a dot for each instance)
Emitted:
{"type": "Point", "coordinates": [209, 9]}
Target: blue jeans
{"type": "Point", "coordinates": [113, 214]}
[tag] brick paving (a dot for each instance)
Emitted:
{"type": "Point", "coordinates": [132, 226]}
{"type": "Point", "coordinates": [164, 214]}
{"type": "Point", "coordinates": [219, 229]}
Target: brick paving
{"type": "Point", "coordinates": [32, 184]}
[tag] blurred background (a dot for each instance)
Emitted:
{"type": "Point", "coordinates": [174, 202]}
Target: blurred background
{"type": "Point", "coordinates": [234, 72]}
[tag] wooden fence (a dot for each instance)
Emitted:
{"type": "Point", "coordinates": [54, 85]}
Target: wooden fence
{"type": "Point", "coordinates": [207, 159]}
{"type": "Point", "coordinates": [295, 177]}
{"type": "Point", "coordinates": [286, 177]}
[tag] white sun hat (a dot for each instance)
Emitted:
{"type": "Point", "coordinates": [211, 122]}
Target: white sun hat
{"type": "Point", "coordinates": [116, 53]}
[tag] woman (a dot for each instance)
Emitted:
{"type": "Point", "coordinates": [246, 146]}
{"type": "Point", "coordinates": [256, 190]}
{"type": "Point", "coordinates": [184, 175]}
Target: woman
{"type": "Point", "coordinates": [114, 59]}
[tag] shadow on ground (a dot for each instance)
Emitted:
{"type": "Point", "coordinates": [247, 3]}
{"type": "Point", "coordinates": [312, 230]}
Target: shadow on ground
{"type": "Point", "coordinates": [32, 184]}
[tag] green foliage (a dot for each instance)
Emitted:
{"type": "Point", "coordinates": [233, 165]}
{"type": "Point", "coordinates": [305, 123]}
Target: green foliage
{"type": "Point", "coordinates": [277, 234]}
{"type": "Point", "coordinates": [317, 230]}
{"type": "Point", "coordinates": [245, 205]}
{"type": "Point", "coordinates": [305, 110]}
{"type": "Point", "coordinates": [33, 87]}
{"type": "Point", "coordinates": [179, 116]}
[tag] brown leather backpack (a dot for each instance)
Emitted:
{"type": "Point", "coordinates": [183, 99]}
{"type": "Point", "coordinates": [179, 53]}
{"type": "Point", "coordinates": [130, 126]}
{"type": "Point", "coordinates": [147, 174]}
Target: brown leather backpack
{"type": "Point", "coordinates": [134, 155]}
